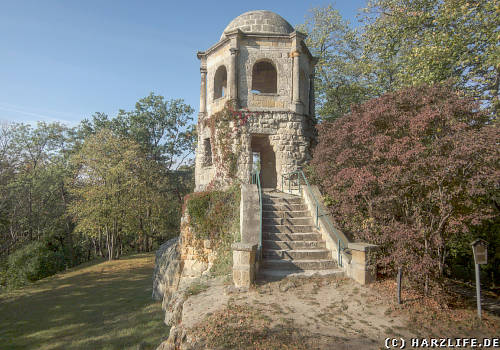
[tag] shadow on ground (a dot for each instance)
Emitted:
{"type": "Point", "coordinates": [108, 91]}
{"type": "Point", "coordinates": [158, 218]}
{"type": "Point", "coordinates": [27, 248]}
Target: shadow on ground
{"type": "Point", "coordinates": [102, 306]}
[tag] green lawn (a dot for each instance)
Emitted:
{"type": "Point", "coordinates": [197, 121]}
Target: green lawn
{"type": "Point", "coordinates": [104, 305]}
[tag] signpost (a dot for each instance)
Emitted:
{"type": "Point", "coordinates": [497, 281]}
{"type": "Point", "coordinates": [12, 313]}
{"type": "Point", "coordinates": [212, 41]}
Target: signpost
{"type": "Point", "coordinates": [480, 250]}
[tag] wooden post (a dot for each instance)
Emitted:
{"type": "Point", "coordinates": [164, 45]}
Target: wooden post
{"type": "Point", "coordinates": [478, 292]}
{"type": "Point", "coordinates": [399, 285]}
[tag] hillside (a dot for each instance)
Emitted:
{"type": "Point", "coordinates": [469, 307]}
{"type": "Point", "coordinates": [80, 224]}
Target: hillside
{"type": "Point", "coordinates": [105, 305]}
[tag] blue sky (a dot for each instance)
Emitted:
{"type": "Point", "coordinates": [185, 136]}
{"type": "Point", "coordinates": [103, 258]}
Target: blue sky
{"type": "Point", "coordinates": [64, 60]}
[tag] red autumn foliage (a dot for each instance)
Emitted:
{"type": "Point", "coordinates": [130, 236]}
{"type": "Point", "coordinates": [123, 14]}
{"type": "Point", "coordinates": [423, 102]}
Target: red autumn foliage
{"type": "Point", "coordinates": [411, 171]}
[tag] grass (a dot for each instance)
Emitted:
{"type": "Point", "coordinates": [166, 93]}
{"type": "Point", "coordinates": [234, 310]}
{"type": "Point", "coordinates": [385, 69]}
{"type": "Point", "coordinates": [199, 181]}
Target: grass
{"type": "Point", "coordinates": [196, 288]}
{"type": "Point", "coordinates": [105, 305]}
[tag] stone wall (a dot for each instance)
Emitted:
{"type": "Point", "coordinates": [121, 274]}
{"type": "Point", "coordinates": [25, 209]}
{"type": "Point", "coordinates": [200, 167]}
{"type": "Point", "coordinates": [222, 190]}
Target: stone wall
{"type": "Point", "coordinates": [218, 58]}
{"type": "Point", "coordinates": [180, 261]}
{"type": "Point", "coordinates": [290, 134]}
{"type": "Point", "coordinates": [196, 254]}
{"type": "Point", "coordinates": [275, 51]}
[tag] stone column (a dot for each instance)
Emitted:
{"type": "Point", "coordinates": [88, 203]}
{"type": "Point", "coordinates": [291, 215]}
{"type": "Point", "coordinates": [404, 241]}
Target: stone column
{"type": "Point", "coordinates": [203, 91]}
{"type": "Point", "coordinates": [244, 270]}
{"type": "Point", "coordinates": [312, 105]}
{"type": "Point", "coordinates": [297, 104]}
{"type": "Point", "coordinates": [233, 77]}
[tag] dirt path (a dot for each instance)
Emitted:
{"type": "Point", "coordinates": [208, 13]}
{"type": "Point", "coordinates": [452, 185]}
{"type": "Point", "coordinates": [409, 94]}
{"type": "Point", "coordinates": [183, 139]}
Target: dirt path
{"type": "Point", "coordinates": [317, 313]}
{"type": "Point", "coordinates": [488, 301]}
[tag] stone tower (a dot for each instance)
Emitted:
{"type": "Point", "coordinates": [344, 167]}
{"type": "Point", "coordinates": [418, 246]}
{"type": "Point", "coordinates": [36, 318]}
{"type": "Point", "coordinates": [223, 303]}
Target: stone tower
{"type": "Point", "coordinates": [260, 64]}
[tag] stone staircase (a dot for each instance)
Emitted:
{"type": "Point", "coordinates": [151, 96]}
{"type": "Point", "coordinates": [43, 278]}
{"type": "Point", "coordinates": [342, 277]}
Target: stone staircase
{"type": "Point", "coordinates": [291, 244]}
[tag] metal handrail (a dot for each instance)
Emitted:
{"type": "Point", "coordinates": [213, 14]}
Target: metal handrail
{"type": "Point", "coordinates": [256, 181]}
{"type": "Point", "coordinates": [341, 243]}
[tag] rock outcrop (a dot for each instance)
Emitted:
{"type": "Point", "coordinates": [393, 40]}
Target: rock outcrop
{"type": "Point", "coordinates": [167, 272]}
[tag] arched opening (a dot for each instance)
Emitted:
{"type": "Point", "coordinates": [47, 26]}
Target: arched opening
{"type": "Point", "coordinates": [264, 78]}
{"type": "Point", "coordinates": [220, 82]}
{"type": "Point", "coordinates": [263, 153]}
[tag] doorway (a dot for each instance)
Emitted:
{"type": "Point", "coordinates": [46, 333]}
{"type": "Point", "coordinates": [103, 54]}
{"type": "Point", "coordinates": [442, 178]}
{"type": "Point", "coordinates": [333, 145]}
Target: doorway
{"type": "Point", "coordinates": [263, 153]}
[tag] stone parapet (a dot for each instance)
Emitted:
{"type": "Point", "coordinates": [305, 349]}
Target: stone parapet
{"type": "Point", "coordinates": [249, 214]}
{"type": "Point", "coordinates": [327, 234]}
{"type": "Point", "coordinates": [358, 260]}
{"type": "Point", "coordinates": [244, 264]}
{"type": "Point", "coordinates": [362, 266]}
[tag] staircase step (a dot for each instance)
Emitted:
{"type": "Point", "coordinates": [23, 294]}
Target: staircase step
{"type": "Point", "coordinates": [288, 228]}
{"type": "Point", "coordinates": [268, 214]}
{"type": "Point", "coordinates": [302, 254]}
{"type": "Point", "coordinates": [280, 274]}
{"type": "Point", "coordinates": [279, 264]}
{"type": "Point", "coordinates": [268, 244]}
{"type": "Point", "coordinates": [279, 236]}
{"type": "Point", "coordinates": [287, 221]}
{"type": "Point", "coordinates": [283, 207]}
{"type": "Point", "coordinates": [281, 200]}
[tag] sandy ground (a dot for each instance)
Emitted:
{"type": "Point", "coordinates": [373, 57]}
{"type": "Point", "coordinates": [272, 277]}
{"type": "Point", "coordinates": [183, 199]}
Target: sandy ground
{"type": "Point", "coordinates": [331, 313]}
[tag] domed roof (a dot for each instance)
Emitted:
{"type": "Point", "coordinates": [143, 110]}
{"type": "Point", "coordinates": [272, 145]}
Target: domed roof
{"type": "Point", "coordinates": [259, 22]}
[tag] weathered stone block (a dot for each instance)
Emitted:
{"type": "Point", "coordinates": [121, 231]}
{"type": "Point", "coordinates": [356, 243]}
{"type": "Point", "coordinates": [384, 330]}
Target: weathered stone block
{"type": "Point", "coordinates": [361, 268]}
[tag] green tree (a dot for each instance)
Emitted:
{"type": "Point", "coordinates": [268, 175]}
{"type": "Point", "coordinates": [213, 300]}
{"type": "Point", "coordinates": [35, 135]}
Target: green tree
{"type": "Point", "coordinates": [163, 131]}
{"type": "Point", "coordinates": [33, 192]}
{"type": "Point", "coordinates": [162, 128]}
{"type": "Point", "coordinates": [340, 80]}
{"type": "Point", "coordinates": [115, 192]}
{"type": "Point", "coordinates": [33, 201]}
{"type": "Point", "coordinates": [428, 41]}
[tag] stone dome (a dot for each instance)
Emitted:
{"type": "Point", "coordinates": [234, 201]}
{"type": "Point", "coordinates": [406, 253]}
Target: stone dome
{"type": "Point", "coordinates": [261, 22]}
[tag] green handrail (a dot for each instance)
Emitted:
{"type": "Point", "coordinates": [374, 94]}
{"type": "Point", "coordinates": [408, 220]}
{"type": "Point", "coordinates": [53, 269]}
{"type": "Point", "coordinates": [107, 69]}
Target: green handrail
{"type": "Point", "coordinates": [299, 174]}
{"type": "Point", "coordinates": [256, 181]}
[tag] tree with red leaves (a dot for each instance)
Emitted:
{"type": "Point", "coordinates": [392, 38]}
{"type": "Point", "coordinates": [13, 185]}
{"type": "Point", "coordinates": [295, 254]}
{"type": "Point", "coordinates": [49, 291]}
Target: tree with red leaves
{"type": "Point", "coordinates": [411, 171]}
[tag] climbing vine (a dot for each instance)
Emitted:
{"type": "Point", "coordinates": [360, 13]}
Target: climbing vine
{"type": "Point", "coordinates": [213, 216]}
{"type": "Point", "coordinates": [226, 128]}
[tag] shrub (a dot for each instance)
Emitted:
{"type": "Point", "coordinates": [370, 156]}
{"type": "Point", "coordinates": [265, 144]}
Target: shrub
{"type": "Point", "coordinates": [215, 215]}
{"type": "Point", "coordinates": [212, 214]}
{"type": "Point", "coordinates": [31, 263]}
{"type": "Point", "coordinates": [412, 171]}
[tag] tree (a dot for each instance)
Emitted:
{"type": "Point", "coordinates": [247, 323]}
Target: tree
{"type": "Point", "coordinates": [161, 128]}
{"type": "Point", "coordinates": [33, 201]}
{"type": "Point", "coordinates": [413, 171]}
{"type": "Point", "coordinates": [115, 192]}
{"type": "Point", "coordinates": [33, 189]}
{"type": "Point", "coordinates": [413, 42]}
{"type": "Point", "coordinates": [340, 81]}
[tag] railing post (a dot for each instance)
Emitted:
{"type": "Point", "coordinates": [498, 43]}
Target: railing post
{"type": "Point", "coordinates": [317, 218]}
{"type": "Point", "coordinates": [339, 255]}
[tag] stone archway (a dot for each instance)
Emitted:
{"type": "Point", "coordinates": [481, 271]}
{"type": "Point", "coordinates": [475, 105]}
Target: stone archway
{"type": "Point", "coordinates": [260, 144]}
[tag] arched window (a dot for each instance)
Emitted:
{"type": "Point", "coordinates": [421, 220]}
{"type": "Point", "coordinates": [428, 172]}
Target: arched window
{"type": "Point", "coordinates": [220, 82]}
{"type": "Point", "coordinates": [264, 78]}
